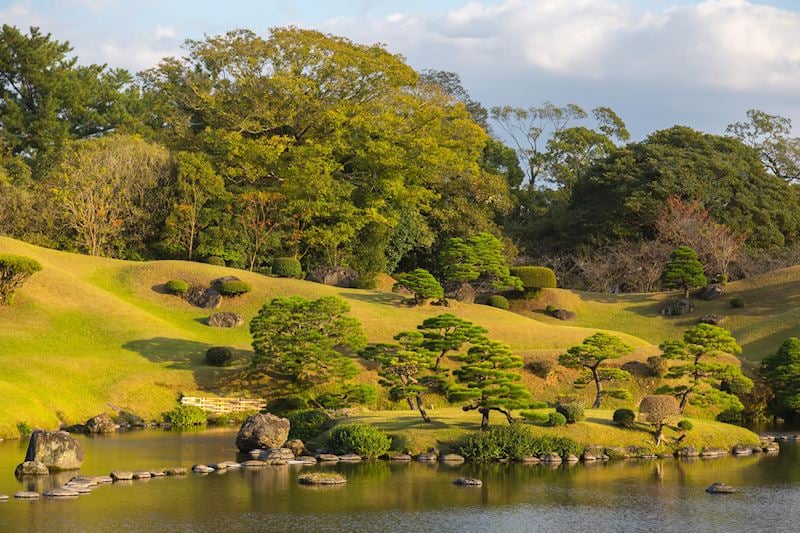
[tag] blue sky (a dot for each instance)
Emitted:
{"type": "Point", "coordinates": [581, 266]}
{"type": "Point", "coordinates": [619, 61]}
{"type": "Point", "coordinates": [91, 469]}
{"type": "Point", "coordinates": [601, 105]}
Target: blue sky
{"type": "Point", "coordinates": [656, 62]}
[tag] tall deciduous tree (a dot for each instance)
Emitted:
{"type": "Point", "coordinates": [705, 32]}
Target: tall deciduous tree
{"type": "Point", "coordinates": [590, 356]}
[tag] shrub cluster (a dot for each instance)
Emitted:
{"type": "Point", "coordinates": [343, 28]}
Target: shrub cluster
{"type": "Point", "coordinates": [233, 288]}
{"type": "Point", "coordinates": [286, 267]}
{"type": "Point", "coordinates": [737, 303]}
{"type": "Point", "coordinates": [309, 424]}
{"type": "Point", "coordinates": [178, 287]}
{"type": "Point", "coordinates": [514, 442]}
{"type": "Point", "coordinates": [572, 411]}
{"type": "Point", "coordinates": [624, 417]}
{"type": "Point", "coordinates": [368, 283]}
{"type": "Point", "coordinates": [186, 416]}
{"type": "Point", "coordinates": [542, 368]}
{"type": "Point", "coordinates": [14, 272]}
{"type": "Point", "coordinates": [498, 301]}
{"type": "Point", "coordinates": [535, 277]}
{"type": "Point", "coordinates": [421, 283]}
{"type": "Point", "coordinates": [218, 356]}
{"type": "Point", "coordinates": [361, 439]}
{"type": "Point", "coordinates": [555, 419]}
{"type": "Point", "coordinates": [685, 425]}
{"type": "Point", "coordinates": [215, 260]}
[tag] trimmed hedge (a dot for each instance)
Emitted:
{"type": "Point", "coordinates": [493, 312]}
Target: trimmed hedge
{"type": "Point", "coordinates": [286, 267]}
{"type": "Point", "coordinates": [186, 416]}
{"type": "Point", "coordinates": [218, 356]}
{"type": "Point", "coordinates": [685, 425]}
{"type": "Point", "coordinates": [572, 411]}
{"type": "Point", "coordinates": [178, 287]}
{"type": "Point", "coordinates": [234, 288]}
{"type": "Point", "coordinates": [737, 303]}
{"type": "Point", "coordinates": [624, 417]}
{"type": "Point", "coordinates": [309, 424]}
{"type": "Point", "coordinates": [556, 419]}
{"type": "Point", "coordinates": [215, 260]}
{"type": "Point", "coordinates": [498, 301]}
{"type": "Point", "coordinates": [514, 442]}
{"type": "Point", "coordinates": [360, 439]}
{"type": "Point", "coordinates": [535, 277]}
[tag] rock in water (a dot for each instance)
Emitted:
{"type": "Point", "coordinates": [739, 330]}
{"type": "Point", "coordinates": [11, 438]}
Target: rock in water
{"type": "Point", "coordinates": [468, 482]}
{"type": "Point", "coordinates": [225, 320]}
{"type": "Point", "coordinates": [31, 468]}
{"type": "Point", "coordinates": [720, 488]}
{"type": "Point", "coordinates": [61, 493]}
{"type": "Point", "coordinates": [121, 475]}
{"type": "Point", "coordinates": [204, 297]}
{"type": "Point", "coordinates": [101, 424]}
{"type": "Point", "coordinates": [56, 449]}
{"type": "Point", "coordinates": [26, 495]}
{"type": "Point", "coordinates": [263, 430]}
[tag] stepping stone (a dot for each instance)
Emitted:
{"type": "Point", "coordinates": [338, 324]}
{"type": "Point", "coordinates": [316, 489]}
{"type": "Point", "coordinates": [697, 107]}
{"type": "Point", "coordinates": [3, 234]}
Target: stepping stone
{"type": "Point", "coordinates": [720, 488]}
{"type": "Point", "coordinates": [427, 457]}
{"type": "Point", "coordinates": [202, 469]}
{"type": "Point", "coordinates": [175, 471]}
{"type": "Point", "coordinates": [60, 493]}
{"type": "Point", "coordinates": [102, 480]}
{"type": "Point", "coordinates": [80, 489]}
{"type": "Point", "coordinates": [141, 475]}
{"type": "Point", "coordinates": [83, 480]}
{"type": "Point", "coordinates": [121, 475]}
{"type": "Point", "coordinates": [468, 482]}
{"type": "Point", "coordinates": [530, 459]}
{"type": "Point", "coordinates": [328, 458]}
{"type": "Point", "coordinates": [253, 464]}
{"type": "Point", "coordinates": [307, 459]}
{"type": "Point", "coordinates": [157, 473]}
{"type": "Point", "coordinates": [401, 457]}
{"type": "Point", "coordinates": [3, 497]}
{"type": "Point", "coordinates": [26, 495]}
{"type": "Point", "coordinates": [453, 458]}
{"type": "Point", "coordinates": [350, 458]}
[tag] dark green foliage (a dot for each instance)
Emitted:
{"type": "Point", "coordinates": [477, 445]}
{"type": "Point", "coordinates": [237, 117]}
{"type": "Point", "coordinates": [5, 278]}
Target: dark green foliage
{"type": "Point", "coordinates": [218, 356]}
{"type": "Point", "coordinates": [683, 271]}
{"type": "Point", "coordinates": [234, 288]}
{"type": "Point", "coordinates": [535, 277]}
{"type": "Point", "coordinates": [24, 429]}
{"type": "Point", "coordinates": [309, 424]}
{"type": "Point", "coordinates": [368, 283]}
{"type": "Point", "coordinates": [590, 356]}
{"type": "Point", "coordinates": [555, 419]}
{"type": "Point", "coordinates": [536, 417]}
{"type": "Point", "coordinates": [550, 309]}
{"type": "Point", "coordinates": [658, 366]}
{"type": "Point", "coordinates": [287, 404]}
{"type": "Point", "coordinates": [421, 283]}
{"type": "Point", "coordinates": [186, 416]}
{"type": "Point", "coordinates": [178, 287]}
{"type": "Point", "coordinates": [347, 395]}
{"type": "Point", "coordinates": [447, 333]}
{"type": "Point", "coordinates": [478, 259]}
{"type": "Point", "coordinates": [782, 372]}
{"type": "Point", "coordinates": [572, 411]}
{"type": "Point", "coordinates": [737, 303]}
{"type": "Point", "coordinates": [215, 260]}
{"type": "Point", "coordinates": [15, 270]}
{"type": "Point", "coordinates": [498, 301]}
{"type": "Point", "coordinates": [514, 442]}
{"type": "Point", "coordinates": [227, 419]}
{"type": "Point", "coordinates": [286, 267]}
{"type": "Point", "coordinates": [543, 368]}
{"type": "Point", "coordinates": [685, 425]}
{"type": "Point", "coordinates": [537, 405]}
{"type": "Point", "coordinates": [360, 439]}
{"type": "Point", "coordinates": [624, 417]}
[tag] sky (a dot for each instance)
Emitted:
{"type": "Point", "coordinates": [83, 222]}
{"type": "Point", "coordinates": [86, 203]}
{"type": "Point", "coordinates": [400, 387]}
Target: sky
{"type": "Point", "coordinates": [657, 63]}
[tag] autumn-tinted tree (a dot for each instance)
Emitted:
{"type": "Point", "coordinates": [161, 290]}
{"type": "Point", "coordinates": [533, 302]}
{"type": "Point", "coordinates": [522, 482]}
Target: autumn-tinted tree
{"type": "Point", "coordinates": [421, 283]}
{"type": "Point", "coordinates": [683, 271]}
{"type": "Point", "coordinates": [657, 410]}
{"type": "Point", "coordinates": [591, 356]}
{"type": "Point", "coordinates": [782, 372]}
{"type": "Point", "coordinates": [447, 333]}
{"type": "Point", "coordinates": [488, 381]}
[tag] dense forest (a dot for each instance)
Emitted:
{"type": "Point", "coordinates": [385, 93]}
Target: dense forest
{"type": "Point", "coordinates": [309, 146]}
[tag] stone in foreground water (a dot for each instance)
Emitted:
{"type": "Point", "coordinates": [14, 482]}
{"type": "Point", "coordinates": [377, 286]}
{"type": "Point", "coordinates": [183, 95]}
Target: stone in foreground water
{"type": "Point", "coordinates": [720, 488]}
{"type": "Point", "coordinates": [468, 482]}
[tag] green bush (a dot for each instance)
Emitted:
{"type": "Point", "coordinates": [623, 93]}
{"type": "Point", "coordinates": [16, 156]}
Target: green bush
{"type": "Point", "coordinates": [230, 418]}
{"type": "Point", "coordinates": [309, 424]}
{"type": "Point", "coordinates": [286, 267]}
{"type": "Point", "coordinates": [264, 270]}
{"type": "Point", "coordinates": [347, 396]}
{"type": "Point", "coordinates": [218, 356]}
{"type": "Point", "coordinates": [535, 277]}
{"type": "Point", "coordinates": [177, 287]}
{"type": "Point", "coordinates": [685, 425]}
{"type": "Point", "coordinates": [513, 442]}
{"type": "Point", "coordinates": [542, 368]}
{"type": "Point", "coordinates": [215, 260]}
{"type": "Point", "coordinates": [550, 309]}
{"type": "Point", "coordinates": [421, 283]}
{"type": "Point", "coordinates": [287, 404]}
{"type": "Point", "coordinates": [537, 417]}
{"type": "Point", "coordinates": [624, 417]}
{"type": "Point", "coordinates": [234, 288]}
{"type": "Point", "coordinates": [737, 303]}
{"type": "Point", "coordinates": [498, 301]}
{"type": "Point", "coordinates": [15, 270]}
{"type": "Point", "coordinates": [361, 439]}
{"type": "Point", "coordinates": [186, 416]}
{"type": "Point", "coordinates": [365, 283]}
{"type": "Point", "coordinates": [572, 411]}
{"type": "Point", "coordinates": [24, 429]}
{"type": "Point", "coordinates": [556, 419]}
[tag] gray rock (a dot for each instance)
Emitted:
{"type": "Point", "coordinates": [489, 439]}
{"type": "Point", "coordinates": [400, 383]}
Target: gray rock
{"type": "Point", "coordinates": [563, 314]}
{"type": "Point", "coordinates": [771, 447]}
{"type": "Point", "coordinates": [78, 487]}
{"type": "Point", "coordinates": [427, 457]}
{"type": "Point", "coordinates": [550, 458]}
{"type": "Point", "coordinates": [402, 457]}
{"type": "Point", "coordinates": [571, 458]}
{"type": "Point", "coordinates": [740, 449]}
{"type": "Point", "coordinates": [101, 423]}
{"type": "Point", "coordinates": [121, 475]}
{"type": "Point", "coordinates": [688, 451]}
{"type": "Point", "coordinates": [530, 459]}
{"type": "Point", "coordinates": [84, 480]}
{"type": "Point", "coordinates": [60, 493]}
{"type": "Point", "coordinates": [327, 458]}
{"type": "Point", "coordinates": [350, 458]}
{"type": "Point", "coordinates": [681, 306]}
{"type": "Point", "coordinates": [202, 469]}
{"type": "Point", "coordinates": [307, 459]}
{"type": "Point", "coordinates": [3, 497]}
{"type": "Point", "coordinates": [31, 468]}
{"type": "Point", "coordinates": [263, 430]}
{"type": "Point", "coordinates": [453, 458]}
{"type": "Point", "coordinates": [333, 275]}
{"type": "Point", "coordinates": [142, 475]}
{"type": "Point", "coordinates": [26, 495]}
{"type": "Point", "coordinates": [714, 320]}
{"type": "Point", "coordinates": [157, 473]}
{"type": "Point", "coordinates": [279, 453]}
{"type": "Point", "coordinates": [464, 292]}
{"type": "Point", "coordinates": [253, 463]}
{"type": "Point", "coordinates": [225, 319]}
{"type": "Point", "coordinates": [297, 447]}
{"type": "Point", "coordinates": [56, 449]}
{"type": "Point", "coordinates": [720, 488]}
{"type": "Point", "coordinates": [710, 292]}
{"type": "Point", "coordinates": [204, 297]}
{"type": "Point", "coordinates": [175, 471]}
{"type": "Point", "coordinates": [468, 482]}
{"type": "Point", "coordinates": [589, 456]}
{"type": "Point", "coordinates": [322, 478]}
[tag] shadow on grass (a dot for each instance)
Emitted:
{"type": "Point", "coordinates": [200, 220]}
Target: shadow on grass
{"type": "Point", "coordinates": [372, 297]}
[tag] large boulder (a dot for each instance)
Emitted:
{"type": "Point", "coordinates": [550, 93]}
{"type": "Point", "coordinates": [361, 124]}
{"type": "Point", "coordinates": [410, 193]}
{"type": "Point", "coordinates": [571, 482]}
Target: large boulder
{"type": "Point", "coordinates": [678, 307]}
{"type": "Point", "coordinates": [461, 292]}
{"type": "Point", "coordinates": [263, 430]}
{"type": "Point", "coordinates": [31, 468]}
{"type": "Point", "coordinates": [101, 423]}
{"type": "Point", "coordinates": [333, 275]}
{"type": "Point", "coordinates": [204, 297]}
{"type": "Point", "coordinates": [225, 320]}
{"type": "Point", "coordinates": [714, 320]}
{"type": "Point", "coordinates": [563, 314]}
{"type": "Point", "coordinates": [710, 292]}
{"type": "Point", "coordinates": [56, 449]}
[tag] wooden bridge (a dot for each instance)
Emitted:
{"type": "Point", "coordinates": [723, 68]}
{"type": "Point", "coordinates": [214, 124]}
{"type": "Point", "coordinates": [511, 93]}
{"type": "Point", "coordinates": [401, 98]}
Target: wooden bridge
{"type": "Point", "coordinates": [225, 405]}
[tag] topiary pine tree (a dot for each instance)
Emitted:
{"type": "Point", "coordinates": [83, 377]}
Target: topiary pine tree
{"type": "Point", "coordinates": [446, 333]}
{"type": "Point", "coordinates": [782, 371]}
{"type": "Point", "coordinates": [683, 271]}
{"type": "Point", "coordinates": [704, 379]}
{"type": "Point", "coordinates": [14, 272]}
{"type": "Point", "coordinates": [590, 355]}
{"type": "Point", "coordinates": [487, 379]}
{"type": "Point", "coordinates": [421, 283]}
{"type": "Point", "coordinates": [481, 259]}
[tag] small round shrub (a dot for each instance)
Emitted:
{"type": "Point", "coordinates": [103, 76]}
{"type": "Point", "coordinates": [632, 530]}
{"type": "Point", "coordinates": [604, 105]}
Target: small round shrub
{"type": "Point", "coordinates": [737, 303]}
{"type": "Point", "coordinates": [498, 301]}
{"type": "Point", "coordinates": [685, 425]}
{"type": "Point", "coordinates": [286, 267]}
{"type": "Point", "coordinates": [543, 368]}
{"type": "Point", "coordinates": [368, 283]}
{"type": "Point", "coordinates": [535, 277]}
{"type": "Point", "coordinates": [233, 288]}
{"type": "Point", "coordinates": [178, 287]}
{"type": "Point", "coordinates": [309, 424]}
{"type": "Point", "coordinates": [186, 416]}
{"type": "Point", "coordinates": [550, 309]}
{"type": "Point", "coordinates": [24, 429]}
{"type": "Point", "coordinates": [624, 417]}
{"type": "Point", "coordinates": [361, 439]}
{"type": "Point", "coordinates": [421, 283]}
{"type": "Point", "coordinates": [572, 411]}
{"type": "Point", "coordinates": [556, 419]}
{"type": "Point", "coordinates": [15, 270]}
{"type": "Point", "coordinates": [218, 356]}
{"type": "Point", "coordinates": [215, 260]}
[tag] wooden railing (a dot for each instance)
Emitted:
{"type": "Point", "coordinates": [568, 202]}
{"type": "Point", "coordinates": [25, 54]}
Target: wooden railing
{"type": "Point", "coordinates": [224, 405]}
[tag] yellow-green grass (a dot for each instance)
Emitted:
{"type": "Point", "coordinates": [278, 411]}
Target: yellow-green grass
{"type": "Point", "coordinates": [411, 434]}
{"type": "Point", "coordinates": [87, 335]}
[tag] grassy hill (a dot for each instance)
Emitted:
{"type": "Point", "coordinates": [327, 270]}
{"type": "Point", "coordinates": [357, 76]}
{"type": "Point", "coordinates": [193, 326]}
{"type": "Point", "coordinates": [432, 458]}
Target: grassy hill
{"type": "Point", "coordinates": [88, 334]}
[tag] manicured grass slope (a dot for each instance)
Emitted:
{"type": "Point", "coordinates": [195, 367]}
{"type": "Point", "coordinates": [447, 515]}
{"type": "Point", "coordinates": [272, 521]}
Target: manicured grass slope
{"type": "Point", "coordinates": [88, 334]}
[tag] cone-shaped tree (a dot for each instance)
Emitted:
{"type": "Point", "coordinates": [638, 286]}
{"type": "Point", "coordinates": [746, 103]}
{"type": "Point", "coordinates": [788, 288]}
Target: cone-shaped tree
{"type": "Point", "coordinates": [684, 271]}
{"type": "Point", "coordinates": [421, 283]}
{"type": "Point", "coordinates": [448, 333]}
{"type": "Point", "coordinates": [488, 381]}
{"type": "Point", "coordinates": [782, 371]}
{"type": "Point", "coordinates": [590, 356]}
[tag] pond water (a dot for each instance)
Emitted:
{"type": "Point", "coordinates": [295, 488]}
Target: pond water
{"type": "Point", "coordinates": [623, 495]}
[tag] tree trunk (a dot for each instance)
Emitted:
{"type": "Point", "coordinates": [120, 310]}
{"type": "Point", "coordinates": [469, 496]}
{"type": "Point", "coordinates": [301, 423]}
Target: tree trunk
{"type": "Point", "coordinates": [410, 403]}
{"type": "Point", "coordinates": [506, 413]}
{"type": "Point", "coordinates": [421, 409]}
{"type": "Point", "coordinates": [684, 401]}
{"type": "Point", "coordinates": [484, 417]}
{"type": "Point", "coordinates": [599, 395]}
{"type": "Point", "coordinates": [686, 291]}
{"type": "Point", "coordinates": [659, 434]}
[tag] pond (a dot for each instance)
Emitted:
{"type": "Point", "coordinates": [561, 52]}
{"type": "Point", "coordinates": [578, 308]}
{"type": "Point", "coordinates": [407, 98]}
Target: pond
{"type": "Point", "coordinates": [623, 495]}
